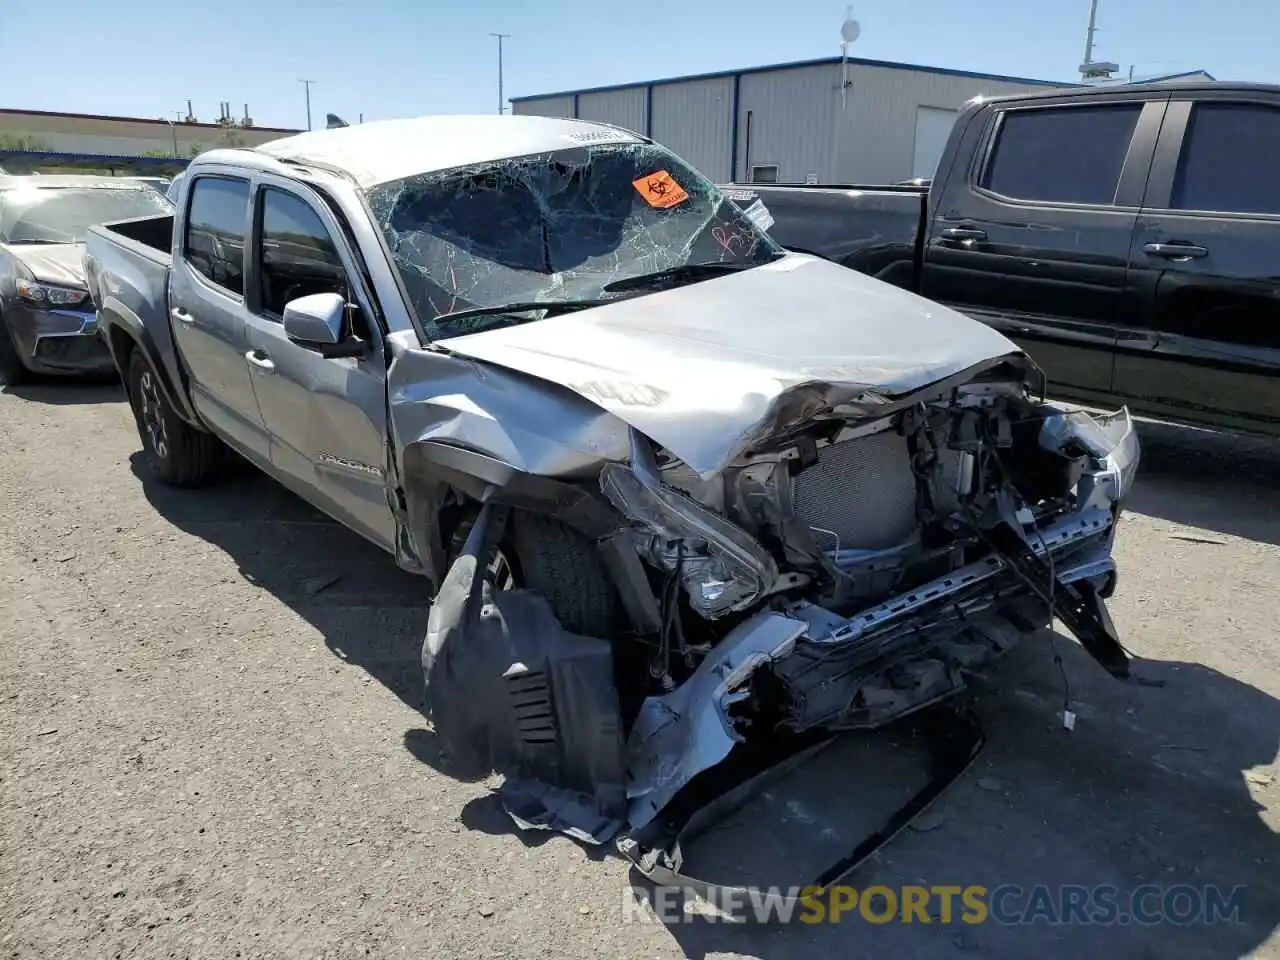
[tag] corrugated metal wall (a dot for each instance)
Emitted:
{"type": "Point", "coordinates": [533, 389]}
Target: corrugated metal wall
{"type": "Point", "coordinates": [877, 141]}
{"type": "Point", "coordinates": [789, 114]}
{"type": "Point", "coordinates": [626, 108]}
{"type": "Point", "coordinates": [695, 120]}
{"type": "Point", "coordinates": [795, 118]}
{"type": "Point", "coordinates": [544, 107]}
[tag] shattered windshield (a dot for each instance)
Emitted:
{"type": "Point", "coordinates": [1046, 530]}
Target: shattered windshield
{"type": "Point", "coordinates": [556, 227]}
{"type": "Point", "coordinates": [64, 214]}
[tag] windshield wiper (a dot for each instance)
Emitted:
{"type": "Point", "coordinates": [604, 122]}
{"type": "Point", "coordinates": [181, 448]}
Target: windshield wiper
{"type": "Point", "coordinates": [41, 240]}
{"type": "Point", "coordinates": [685, 271]}
{"type": "Point", "coordinates": [552, 307]}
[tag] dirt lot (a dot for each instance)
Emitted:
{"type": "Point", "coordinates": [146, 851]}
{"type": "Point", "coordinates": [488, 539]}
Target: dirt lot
{"type": "Point", "coordinates": [212, 747]}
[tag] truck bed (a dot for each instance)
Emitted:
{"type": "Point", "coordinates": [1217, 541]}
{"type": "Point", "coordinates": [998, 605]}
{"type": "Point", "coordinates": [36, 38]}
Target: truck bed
{"type": "Point", "coordinates": [877, 230]}
{"type": "Point", "coordinates": [127, 271]}
{"type": "Point", "coordinates": [148, 237]}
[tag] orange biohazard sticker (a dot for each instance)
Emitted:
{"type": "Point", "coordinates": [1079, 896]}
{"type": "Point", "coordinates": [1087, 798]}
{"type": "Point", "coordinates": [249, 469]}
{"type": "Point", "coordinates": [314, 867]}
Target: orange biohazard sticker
{"type": "Point", "coordinates": [660, 190]}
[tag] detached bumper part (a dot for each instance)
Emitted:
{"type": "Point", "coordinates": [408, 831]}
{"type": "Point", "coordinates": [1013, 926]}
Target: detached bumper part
{"type": "Point", "coordinates": [679, 735]}
{"type": "Point", "coordinates": [508, 689]}
{"type": "Point", "coordinates": [658, 850]}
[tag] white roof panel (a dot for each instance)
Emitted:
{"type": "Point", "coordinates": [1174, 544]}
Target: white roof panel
{"type": "Point", "coordinates": [392, 149]}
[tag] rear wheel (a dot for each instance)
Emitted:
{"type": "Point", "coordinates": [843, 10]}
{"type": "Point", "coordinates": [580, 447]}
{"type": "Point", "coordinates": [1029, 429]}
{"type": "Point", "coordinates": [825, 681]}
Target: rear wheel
{"type": "Point", "coordinates": [12, 370]}
{"type": "Point", "coordinates": [178, 454]}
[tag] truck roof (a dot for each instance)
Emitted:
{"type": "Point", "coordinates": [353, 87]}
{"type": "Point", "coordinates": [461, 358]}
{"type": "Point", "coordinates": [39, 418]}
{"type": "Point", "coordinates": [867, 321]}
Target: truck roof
{"type": "Point", "coordinates": [1123, 90]}
{"type": "Point", "coordinates": [384, 150]}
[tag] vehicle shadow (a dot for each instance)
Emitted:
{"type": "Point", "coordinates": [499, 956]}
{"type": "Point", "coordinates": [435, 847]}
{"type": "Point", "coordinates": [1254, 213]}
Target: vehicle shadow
{"type": "Point", "coordinates": [370, 613]}
{"type": "Point", "coordinates": [1228, 483]}
{"type": "Point", "coordinates": [67, 392]}
{"type": "Point", "coordinates": [1150, 788]}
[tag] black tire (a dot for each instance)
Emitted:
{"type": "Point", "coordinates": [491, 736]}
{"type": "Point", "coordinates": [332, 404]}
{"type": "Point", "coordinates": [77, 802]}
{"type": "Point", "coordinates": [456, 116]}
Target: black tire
{"type": "Point", "coordinates": [566, 569]}
{"type": "Point", "coordinates": [12, 370]}
{"type": "Point", "coordinates": [560, 564]}
{"type": "Point", "coordinates": [177, 454]}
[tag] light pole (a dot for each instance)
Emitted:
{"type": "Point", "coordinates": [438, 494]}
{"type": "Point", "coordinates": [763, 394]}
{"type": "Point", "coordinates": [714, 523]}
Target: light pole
{"type": "Point", "coordinates": [307, 85]}
{"type": "Point", "coordinates": [502, 103]}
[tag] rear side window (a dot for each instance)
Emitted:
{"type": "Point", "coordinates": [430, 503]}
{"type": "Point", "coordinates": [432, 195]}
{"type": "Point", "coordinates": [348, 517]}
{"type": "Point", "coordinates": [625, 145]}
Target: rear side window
{"type": "Point", "coordinates": [1063, 154]}
{"type": "Point", "coordinates": [214, 241]}
{"type": "Point", "coordinates": [1228, 162]}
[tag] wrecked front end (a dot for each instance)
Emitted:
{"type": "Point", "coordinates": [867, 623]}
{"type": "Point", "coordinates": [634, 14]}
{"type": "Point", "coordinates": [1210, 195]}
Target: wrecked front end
{"type": "Point", "coordinates": [853, 562]}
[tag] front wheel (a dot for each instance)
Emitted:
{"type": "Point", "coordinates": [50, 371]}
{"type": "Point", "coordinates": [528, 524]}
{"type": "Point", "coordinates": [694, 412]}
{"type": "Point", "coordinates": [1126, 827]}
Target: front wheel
{"type": "Point", "coordinates": [555, 561]}
{"type": "Point", "coordinates": [177, 454]}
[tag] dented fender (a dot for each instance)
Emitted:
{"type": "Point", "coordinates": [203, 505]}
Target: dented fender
{"type": "Point", "coordinates": [461, 426]}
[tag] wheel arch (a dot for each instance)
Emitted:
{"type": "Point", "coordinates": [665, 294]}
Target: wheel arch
{"type": "Point", "coordinates": [441, 481]}
{"type": "Point", "coordinates": [125, 332]}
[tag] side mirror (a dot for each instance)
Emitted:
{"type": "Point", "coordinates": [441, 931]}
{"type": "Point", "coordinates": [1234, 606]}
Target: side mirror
{"type": "Point", "coordinates": [315, 321]}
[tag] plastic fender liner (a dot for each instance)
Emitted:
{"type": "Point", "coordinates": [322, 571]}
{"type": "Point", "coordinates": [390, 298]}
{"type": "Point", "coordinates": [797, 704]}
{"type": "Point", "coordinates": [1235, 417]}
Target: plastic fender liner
{"type": "Point", "coordinates": [509, 689]}
{"type": "Point", "coordinates": [955, 739]}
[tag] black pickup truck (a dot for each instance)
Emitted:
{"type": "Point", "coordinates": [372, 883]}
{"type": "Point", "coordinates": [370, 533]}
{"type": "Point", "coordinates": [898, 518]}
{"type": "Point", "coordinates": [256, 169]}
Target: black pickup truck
{"type": "Point", "coordinates": [1127, 237]}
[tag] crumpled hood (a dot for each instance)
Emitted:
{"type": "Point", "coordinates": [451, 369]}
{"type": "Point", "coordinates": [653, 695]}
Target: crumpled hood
{"type": "Point", "coordinates": [61, 264]}
{"type": "Point", "coordinates": [708, 368]}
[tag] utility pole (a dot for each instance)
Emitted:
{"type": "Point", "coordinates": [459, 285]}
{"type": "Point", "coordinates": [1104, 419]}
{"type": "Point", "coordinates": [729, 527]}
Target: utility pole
{"type": "Point", "coordinates": [173, 129]}
{"type": "Point", "coordinates": [502, 103]}
{"type": "Point", "coordinates": [307, 84]}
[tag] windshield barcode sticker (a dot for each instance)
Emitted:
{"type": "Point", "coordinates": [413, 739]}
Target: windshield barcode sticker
{"type": "Point", "coordinates": [759, 214]}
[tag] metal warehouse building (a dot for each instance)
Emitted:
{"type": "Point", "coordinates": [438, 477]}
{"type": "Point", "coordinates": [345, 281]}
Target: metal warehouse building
{"type": "Point", "coordinates": [791, 122]}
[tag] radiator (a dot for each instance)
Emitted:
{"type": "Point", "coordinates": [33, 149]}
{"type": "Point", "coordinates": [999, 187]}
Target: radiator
{"type": "Point", "coordinates": [860, 491]}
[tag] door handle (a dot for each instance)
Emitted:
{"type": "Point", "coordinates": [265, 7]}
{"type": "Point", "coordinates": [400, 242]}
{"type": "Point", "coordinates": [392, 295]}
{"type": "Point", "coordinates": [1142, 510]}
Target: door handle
{"type": "Point", "coordinates": [260, 360]}
{"type": "Point", "coordinates": [1176, 251]}
{"type": "Point", "coordinates": [182, 316]}
{"type": "Point", "coordinates": [968, 234]}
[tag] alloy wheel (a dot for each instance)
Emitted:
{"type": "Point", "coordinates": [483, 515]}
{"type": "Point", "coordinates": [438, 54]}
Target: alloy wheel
{"type": "Point", "coordinates": [152, 415]}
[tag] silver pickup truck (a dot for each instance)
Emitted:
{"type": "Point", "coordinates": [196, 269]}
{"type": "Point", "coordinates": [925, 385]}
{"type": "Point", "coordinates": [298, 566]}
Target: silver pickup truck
{"type": "Point", "coordinates": [680, 493]}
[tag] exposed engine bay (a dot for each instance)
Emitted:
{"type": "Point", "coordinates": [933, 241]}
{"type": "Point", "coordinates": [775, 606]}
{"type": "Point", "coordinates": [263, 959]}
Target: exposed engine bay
{"type": "Point", "coordinates": [837, 575]}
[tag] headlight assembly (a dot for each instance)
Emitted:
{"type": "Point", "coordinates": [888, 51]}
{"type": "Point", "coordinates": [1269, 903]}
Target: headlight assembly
{"type": "Point", "coordinates": [723, 569]}
{"type": "Point", "coordinates": [46, 294]}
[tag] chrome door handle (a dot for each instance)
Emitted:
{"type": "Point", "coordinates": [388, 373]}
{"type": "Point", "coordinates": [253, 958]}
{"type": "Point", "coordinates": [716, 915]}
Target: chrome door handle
{"type": "Point", "coordinates": [969, 234]}
{"type": "Point", "coordinates": [182, 316]}
{"type": "Point", "coordinates": [1176, 251]}
{"type": "Point", "coordinates": [260, 360]}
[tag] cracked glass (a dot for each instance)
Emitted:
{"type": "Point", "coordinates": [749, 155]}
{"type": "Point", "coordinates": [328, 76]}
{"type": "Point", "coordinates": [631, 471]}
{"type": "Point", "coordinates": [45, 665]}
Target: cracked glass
{"type": "Point", "coordinates": [555, 227]}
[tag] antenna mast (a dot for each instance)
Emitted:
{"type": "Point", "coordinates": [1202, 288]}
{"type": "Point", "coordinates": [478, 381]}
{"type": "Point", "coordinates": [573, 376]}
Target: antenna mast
{"type": "Point", "coordinates": [849, 32]}
{"type": "Point", "coordinates": [1088, 69]}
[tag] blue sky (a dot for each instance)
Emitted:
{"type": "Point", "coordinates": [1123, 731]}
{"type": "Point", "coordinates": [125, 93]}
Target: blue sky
{"type": "Point", "coordinates": [389, 58]}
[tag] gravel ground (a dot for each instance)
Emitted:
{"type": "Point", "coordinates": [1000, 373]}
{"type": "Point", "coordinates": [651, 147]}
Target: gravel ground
{"type": "Point", "coordinates": [212, 746]}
